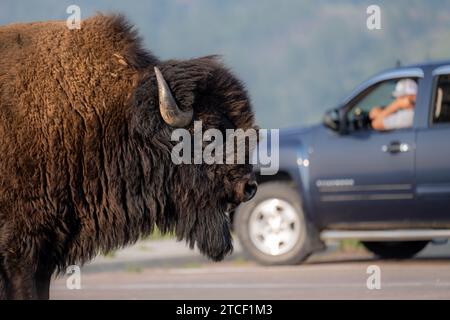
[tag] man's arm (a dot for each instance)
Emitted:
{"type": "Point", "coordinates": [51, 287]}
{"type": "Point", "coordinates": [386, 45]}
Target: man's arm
{"type": "Point", "coordinates": [381, 114]}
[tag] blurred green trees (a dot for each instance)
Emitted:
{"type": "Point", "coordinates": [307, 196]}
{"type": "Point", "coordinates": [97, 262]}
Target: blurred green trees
{"type": "Point", "coordinates": [298, 58]}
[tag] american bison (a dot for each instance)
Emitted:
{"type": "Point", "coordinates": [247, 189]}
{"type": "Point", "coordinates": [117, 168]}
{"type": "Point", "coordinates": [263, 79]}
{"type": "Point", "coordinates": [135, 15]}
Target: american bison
{"type": "Point", "coordinates": [85, 137]}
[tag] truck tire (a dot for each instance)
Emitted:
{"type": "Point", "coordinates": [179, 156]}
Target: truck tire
{"type": "Point", "coordinates": [395, 249]}
{"type": "Point", "coordinates": [272, 227]}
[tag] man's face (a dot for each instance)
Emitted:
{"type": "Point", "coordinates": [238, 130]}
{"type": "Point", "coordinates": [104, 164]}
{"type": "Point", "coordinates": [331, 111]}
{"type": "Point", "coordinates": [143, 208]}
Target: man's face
{"type": "Point", "coordinates": [407, 100]}
{"type": "Point", "coordinates": [412, 98]}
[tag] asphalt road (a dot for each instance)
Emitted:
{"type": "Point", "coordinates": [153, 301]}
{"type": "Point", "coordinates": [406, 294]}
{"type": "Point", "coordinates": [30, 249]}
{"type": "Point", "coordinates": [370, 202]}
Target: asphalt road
{"type": "Point", "coordinates": [332, 275]}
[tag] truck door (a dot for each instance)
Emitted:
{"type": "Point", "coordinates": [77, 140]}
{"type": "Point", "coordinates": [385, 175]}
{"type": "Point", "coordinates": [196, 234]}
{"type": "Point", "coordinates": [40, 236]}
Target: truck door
{"type": "Point", "coordinates": [433, 154]}
{"type": "Point", "coordinates": [365, 178]}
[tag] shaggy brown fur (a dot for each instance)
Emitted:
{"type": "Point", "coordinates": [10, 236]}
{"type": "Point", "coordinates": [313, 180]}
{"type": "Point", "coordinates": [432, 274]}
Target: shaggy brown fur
{"type": "Point", "coordinates": [85, 156]}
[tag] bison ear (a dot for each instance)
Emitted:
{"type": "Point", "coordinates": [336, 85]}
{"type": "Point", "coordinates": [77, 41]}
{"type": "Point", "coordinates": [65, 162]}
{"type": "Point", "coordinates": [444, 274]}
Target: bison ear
{"type": "Point", "coordinates": [170, 112]}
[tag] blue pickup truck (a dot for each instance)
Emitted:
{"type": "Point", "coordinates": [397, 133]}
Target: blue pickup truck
{"type": "Point", "coordinates": [344, 180]}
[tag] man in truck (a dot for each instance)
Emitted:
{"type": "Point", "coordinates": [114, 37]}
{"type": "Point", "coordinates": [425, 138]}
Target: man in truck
{"type": "Point", "coordinates": [399, 113]}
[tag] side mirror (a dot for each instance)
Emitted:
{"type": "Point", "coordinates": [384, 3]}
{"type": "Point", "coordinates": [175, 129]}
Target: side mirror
{"type": "Point", "coordinates": [332, 120]}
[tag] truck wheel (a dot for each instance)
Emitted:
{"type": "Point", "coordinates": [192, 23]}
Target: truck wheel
{"type": "Point", "coordinates": [271, 227]}
{"type": "Point", "coordinates": [395, 249]}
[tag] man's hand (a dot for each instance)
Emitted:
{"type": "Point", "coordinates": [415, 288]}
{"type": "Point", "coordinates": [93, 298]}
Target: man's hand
{"type": "Point", "coordinates": [374, 112]}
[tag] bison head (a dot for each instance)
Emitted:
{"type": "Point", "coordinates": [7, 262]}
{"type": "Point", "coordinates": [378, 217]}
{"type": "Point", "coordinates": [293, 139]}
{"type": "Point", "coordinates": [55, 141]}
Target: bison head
{"type": "Point", "coordinates": [193, 198]}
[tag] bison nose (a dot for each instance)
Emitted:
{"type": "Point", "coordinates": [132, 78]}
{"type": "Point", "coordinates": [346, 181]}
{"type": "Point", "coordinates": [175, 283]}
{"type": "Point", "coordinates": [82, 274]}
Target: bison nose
{"type": "Point", "coordinates": [250, 190]}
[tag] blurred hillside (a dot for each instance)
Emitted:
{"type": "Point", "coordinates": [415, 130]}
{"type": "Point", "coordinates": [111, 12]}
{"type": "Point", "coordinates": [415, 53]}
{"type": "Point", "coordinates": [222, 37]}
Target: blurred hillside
{"type": "Point", "coordinates": [298, 58]}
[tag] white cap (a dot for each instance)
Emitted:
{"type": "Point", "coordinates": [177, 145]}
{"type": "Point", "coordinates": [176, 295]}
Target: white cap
{"type": "Point", "coordinates": [405, 87]}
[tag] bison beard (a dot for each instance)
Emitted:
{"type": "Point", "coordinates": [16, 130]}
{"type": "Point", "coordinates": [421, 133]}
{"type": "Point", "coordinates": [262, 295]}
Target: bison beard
{"type": "Point", "coordinates": [212, 235]}
{"type": "Point", "coordinates": [85, 167]}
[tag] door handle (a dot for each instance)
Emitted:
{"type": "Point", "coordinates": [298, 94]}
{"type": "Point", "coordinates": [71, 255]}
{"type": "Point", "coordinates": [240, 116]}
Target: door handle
{"type": "Point", "coordinates": [396, 147]}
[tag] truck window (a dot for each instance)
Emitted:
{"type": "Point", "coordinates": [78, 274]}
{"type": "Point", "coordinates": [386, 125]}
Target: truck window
{"type": "Point", "coordinates": [380, 95]}
{"type": "Point", "coordinates": [441, 112]}
{"type": "Point", "coordinates": [376, 98]}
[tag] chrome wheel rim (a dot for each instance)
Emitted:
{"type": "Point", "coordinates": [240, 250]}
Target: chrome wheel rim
{"type": "Point", "coordinates": [274, 227]}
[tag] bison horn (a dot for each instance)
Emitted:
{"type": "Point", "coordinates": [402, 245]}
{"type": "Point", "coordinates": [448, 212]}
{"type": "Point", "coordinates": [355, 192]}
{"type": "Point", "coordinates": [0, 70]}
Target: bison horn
{"type": "Point", "coordinates": [168, 108]}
